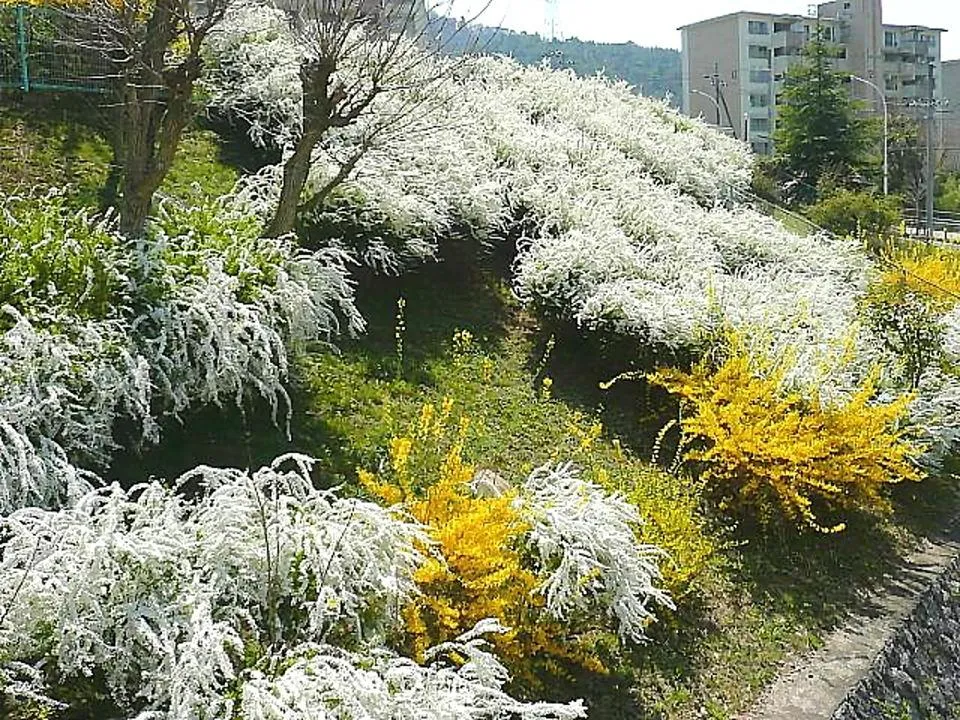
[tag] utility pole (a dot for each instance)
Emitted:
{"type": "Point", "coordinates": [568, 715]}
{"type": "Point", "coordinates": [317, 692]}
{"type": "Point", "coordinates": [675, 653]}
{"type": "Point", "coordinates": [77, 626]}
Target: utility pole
{"type": "Point", "coordinates": [551, 21]}
{"type": "Point", "coordinates": [717, 84]}
{"type": "Point", "coordinates": [930, 176]}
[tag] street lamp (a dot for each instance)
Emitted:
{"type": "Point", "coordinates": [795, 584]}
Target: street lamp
{"type": "Point", "coordinates": [711, 99]}
{"type": "Point", "coordinates": [883, 101]}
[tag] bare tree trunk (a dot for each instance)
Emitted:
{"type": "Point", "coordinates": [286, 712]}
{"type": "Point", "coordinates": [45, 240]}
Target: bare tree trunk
{"type": "Point", "coordinates": [295, 171]}
{"type": "Point", "coordinates": [135, 205]}
{"type": "Point", "coordinates": [152, 125]}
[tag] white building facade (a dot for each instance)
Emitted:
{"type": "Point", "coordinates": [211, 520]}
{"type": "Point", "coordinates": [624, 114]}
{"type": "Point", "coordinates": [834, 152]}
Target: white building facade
{"type": "Point", "coordinates": [738, 61]}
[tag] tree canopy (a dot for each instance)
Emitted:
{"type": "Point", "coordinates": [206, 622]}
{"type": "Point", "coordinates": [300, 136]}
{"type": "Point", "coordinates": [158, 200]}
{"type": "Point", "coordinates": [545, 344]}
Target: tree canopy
{"type": "Point", "coordinates": [820, 132]}
{"type": "Point", "coordinates": [653, 71]}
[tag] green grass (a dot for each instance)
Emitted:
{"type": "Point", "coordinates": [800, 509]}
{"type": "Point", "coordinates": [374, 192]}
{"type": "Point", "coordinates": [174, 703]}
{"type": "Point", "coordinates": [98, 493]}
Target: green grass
{"type": "Point", "coordinates": [54, 141]}
{"type": "Point", "coordinates": [53, 145]}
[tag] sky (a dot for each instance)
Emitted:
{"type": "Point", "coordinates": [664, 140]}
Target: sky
{"type": "Point", "coordinates": [655, 22]}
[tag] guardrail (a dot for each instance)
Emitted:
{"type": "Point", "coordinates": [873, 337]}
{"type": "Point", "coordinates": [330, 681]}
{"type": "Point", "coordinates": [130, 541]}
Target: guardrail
{"type": "Point", "coordinates": [945, 224]}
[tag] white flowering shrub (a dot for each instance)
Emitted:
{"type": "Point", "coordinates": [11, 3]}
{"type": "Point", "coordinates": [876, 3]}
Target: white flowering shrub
{"type": "Point", "coordinates": [461, 680]}
{"type": "Point", "coordinates": [421, 178]}
{"type": "Point", "coordinates": [95, 332]}
{"type": "Point", "coordinates": [640, 233]}
{"type": "Point", "coordinates": [585, 544]}
{"type": "Point", "coordinates": [252, 69]}
{"type": "Point", "coordinates": [233, 586]}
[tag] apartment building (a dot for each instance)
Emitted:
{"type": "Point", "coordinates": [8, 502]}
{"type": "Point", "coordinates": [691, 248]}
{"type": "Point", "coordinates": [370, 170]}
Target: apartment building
{"type": "Point", "coordinates": [950, 115]}
{"type": "Point", "coordinates": [734, 65]}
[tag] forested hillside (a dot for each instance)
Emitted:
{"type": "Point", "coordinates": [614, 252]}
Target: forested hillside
{"type": "Point", "coordinates": [652, 71]}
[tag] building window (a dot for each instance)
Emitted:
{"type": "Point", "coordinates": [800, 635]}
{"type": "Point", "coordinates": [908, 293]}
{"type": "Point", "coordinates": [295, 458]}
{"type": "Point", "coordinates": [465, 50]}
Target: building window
{"type": "Point", "coordinates": [891, 82]}
{"type": "Point", "coordinates": [784, 26]}
{"type": "Point", "coordinates": [828, 34]}
{"type": "Point", "coordinates": [758, 27]}
{"type": "Point", "coordinates": [760, 76]}
{"type": "Point", "coordinates": [889, 39]}
{"type": "Point", "coordinates": [761, 125]}
{"type": "Point", "coordinates": [759, 100]}
{"type": "Point", "coordinates": [758, 52]}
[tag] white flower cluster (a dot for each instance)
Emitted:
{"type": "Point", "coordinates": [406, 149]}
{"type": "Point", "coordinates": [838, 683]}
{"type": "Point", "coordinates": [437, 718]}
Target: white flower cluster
{"type": "Point", "coordinates": [639, 231]}
{"type": "Point", "coordinates": [252, 72]}
{"type": "Point", "coordinates": [585, 543]}
{"type": "Point", "coordinates": [176, 339]}
{"type": "Point", "coordinates": [258, 594]}
{"type": "Point", "coordinates": [492, 137]}
{"type": "Point", "coordinates": [335, 684]}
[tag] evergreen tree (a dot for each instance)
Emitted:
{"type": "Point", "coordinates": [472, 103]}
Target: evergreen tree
{"type": "Point", "coordinates": [820, 134]}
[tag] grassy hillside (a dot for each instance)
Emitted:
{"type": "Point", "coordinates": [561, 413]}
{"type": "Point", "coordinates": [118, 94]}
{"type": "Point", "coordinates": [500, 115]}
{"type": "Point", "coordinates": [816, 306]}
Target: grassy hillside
{"type": "Point", "coordinates": [530, 389]}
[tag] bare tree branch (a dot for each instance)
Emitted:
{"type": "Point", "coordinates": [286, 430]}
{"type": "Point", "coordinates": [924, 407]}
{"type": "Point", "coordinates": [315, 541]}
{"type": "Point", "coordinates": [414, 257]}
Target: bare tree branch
{"type": "Point", "coordinates": [356, 51]}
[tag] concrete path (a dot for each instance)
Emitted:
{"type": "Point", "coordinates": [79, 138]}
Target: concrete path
{"type": "Point", "coordinates": [811, 687]}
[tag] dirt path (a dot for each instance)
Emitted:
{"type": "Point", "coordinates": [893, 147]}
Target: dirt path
{"type": "Point", "coordinates": [811, 687]}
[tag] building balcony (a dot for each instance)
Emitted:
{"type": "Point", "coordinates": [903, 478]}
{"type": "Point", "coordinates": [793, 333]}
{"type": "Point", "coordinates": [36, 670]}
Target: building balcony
{"type": "Point", "coordinates": [912, 52]}
{"type": "Point", "coordinates": [790, 39]}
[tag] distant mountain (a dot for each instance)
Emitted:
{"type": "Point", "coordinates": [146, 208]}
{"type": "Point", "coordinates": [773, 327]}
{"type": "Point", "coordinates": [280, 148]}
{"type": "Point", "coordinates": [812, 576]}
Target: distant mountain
{"type": "Point", "coordinates": [651, 71]}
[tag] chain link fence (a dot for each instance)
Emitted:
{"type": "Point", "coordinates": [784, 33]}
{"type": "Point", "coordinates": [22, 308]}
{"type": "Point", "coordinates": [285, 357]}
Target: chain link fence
{"type": "Point", "coordinates": [41, 49]}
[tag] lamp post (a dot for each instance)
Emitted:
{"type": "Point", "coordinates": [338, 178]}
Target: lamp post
{"type": "Point", "coordinates": [710, 98]}
{"type": "Point", "coordinates": [883, 102]}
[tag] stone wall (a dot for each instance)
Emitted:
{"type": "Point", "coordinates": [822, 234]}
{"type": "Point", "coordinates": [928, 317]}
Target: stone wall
{"type": "Point", "coordinates": [917, 675]}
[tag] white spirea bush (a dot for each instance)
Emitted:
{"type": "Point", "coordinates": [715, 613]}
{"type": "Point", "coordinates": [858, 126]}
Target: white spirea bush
{"type": "Point", "coordinates": [61, 392]}
{"type": "Point", "coordinates": [258, 587]}
{"type": "Point", "coordinates": [640, 234]}
{"type": "Point", "coordinates": [585, 543]}
{"type": "Point", "coordinates": [252, 72]}
{"type": "Point", "coordinates": [637, 227]}
{"type": "Point", "coordinates": [335, 684]}
{"type": "Point", "coordinates": [205, 312]}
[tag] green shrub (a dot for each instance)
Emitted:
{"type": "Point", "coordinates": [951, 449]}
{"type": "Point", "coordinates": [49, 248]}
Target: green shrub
{"type": "Point", "coordinates": [192, 237]}
{"type": "Point", "coordinates": [948, 199]}
{"type": "Point", "coordinates": [53, 258]}
{"type": "Point", "coordinates": [855, 213]}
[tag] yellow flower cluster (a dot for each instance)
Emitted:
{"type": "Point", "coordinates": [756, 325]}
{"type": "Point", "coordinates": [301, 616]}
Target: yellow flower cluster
{"type": "Point", "coordinates": [779, 453]}
{"type": "Point", "coordinates": [480, 570]}
{"type": "Point", "coordinates": [670, 508]}
{"type": "Point", "coordinates": [933, 272]}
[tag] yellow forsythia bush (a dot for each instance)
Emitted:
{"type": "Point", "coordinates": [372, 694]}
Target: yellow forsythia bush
{"type": "Point", "coordinates": [670, 507]}
{"type": "Point", "coordinates": [777, 453]}
{"type": "Point", "coordinates": [480, 571]}
{"type": "Point", "coordinates": [933, 272]}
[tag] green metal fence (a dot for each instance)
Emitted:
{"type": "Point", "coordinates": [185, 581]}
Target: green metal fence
{"type": "Point", "coordinates": [42, 49]}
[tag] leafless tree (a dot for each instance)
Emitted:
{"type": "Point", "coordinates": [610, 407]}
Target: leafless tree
{"type": "Point", "coordinates": [355, 51]}
{"type": "Point", "coordinates": [155, 48]}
